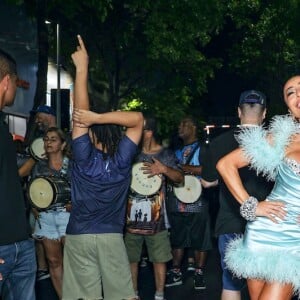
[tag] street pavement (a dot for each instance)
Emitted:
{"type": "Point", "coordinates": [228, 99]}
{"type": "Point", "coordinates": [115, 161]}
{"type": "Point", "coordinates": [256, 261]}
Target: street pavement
{"type": "Point", "coordinates": [186, 291]}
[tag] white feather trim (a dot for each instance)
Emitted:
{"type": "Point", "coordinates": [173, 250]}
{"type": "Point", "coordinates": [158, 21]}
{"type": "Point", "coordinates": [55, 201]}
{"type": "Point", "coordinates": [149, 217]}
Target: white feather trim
{"type": "Point", "coordinates": [269, 265]}
{"type": "Point", "coordinates": [264, 156]}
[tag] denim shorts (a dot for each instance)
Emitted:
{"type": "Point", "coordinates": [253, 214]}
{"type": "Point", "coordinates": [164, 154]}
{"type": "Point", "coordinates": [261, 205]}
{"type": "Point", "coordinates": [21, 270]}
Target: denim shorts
{"type": "Point", "coordinates": [51, 224]}
{"type": "Point", "coordinates": [230, 282]}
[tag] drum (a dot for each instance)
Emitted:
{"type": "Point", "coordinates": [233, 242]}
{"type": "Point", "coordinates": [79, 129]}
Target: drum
{"type": "Point", "coordinates": [37, 149]}
{"type": "Point", "coordinates": [47, 191]}
{"type": "Point", "coordinates": [191, 191]}
{"type": "Point", "coordinates": [141, 183]}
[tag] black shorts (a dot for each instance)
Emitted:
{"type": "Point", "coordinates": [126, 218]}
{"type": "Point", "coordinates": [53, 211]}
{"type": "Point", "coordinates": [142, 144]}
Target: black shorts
{"type": "Point", "coordinates": [190, 230]}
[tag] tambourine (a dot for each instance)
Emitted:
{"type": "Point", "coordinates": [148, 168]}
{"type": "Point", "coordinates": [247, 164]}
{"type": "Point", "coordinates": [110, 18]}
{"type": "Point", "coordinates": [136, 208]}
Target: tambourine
{"type": "Point", "coordinates": [191, 191]}
{"type": "Point", "coordinates": [141, 183]}
{"type": "Point", "coordinates": [37, 149]}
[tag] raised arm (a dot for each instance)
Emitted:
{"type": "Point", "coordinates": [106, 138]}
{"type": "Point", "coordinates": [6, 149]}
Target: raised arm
{"type": "Point", "coordinates": [83, 118]}
{"type": "Point", "coordinates": [81, 99]}
{"type": "Point", "coordinates": [133, 121]}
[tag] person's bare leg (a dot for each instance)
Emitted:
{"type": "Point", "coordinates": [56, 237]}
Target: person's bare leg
{"type": "Point", "coordinates": [276, 291]}
{"type": "Point", "coordinates": [177, 257]}
{"type": "Point", "coordinates": [200, 258]}
{"type": "Point", "coordinates": [40, 255]}
{"type": "Point", "coordinates": [54, 254]}
{"type": "Point", "coordinates": [255, 288]}
{"type": "Point", "coordinates": [134, 274]}
{"type": "Point", "coordinates": [230, 295]}
{"type": "Point", "coordinates": [160, 270]}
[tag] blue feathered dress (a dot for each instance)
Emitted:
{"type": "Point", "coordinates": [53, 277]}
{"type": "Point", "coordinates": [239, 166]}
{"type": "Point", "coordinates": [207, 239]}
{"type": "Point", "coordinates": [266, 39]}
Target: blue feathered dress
{"type": "Point", "coordinates": [271, 251]}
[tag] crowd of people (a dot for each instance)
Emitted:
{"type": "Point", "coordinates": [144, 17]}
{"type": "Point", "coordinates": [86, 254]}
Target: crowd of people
{"type": "Point", "coordinates": [91, 203]}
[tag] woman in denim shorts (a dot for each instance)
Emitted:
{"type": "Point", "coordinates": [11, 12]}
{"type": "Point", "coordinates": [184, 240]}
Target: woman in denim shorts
{"type": "Point", "coordinates": [49, 192]}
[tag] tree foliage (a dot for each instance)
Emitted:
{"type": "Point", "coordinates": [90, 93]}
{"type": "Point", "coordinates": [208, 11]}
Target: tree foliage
{"type": "Point", "coordinates": [265, 47]}
{"type": "Point", "coordinates": [159, 55]}
{"type": "Point", "coordinates": [151, 50]}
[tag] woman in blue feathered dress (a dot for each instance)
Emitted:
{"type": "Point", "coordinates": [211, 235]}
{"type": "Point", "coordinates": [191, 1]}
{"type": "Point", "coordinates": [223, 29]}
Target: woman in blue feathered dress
{"type": "Point", "coordinates": [269, 253]}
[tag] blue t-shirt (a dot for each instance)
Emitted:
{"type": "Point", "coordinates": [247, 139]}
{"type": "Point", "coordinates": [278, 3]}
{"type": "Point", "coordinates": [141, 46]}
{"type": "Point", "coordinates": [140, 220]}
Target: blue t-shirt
{"type": "Point", "coordinates": [184, 157]}
{"type": "Point", "coordinates": [99, 187]}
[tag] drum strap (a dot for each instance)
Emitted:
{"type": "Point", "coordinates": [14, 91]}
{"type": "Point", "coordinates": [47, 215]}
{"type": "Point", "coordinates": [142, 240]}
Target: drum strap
{"type": "Point", "coordinates": [192, 154]}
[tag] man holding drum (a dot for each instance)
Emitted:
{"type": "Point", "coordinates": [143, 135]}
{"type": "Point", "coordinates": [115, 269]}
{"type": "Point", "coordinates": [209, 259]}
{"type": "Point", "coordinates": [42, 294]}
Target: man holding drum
{"type": "Point", "coordinates": [95, 257]}
{"type": "Point", "coordinates": [45, 118]}
{"type": "Point", "coordinates": [17, 255]}
{"type": "Point", "coordinates": [146, 217]}
{"type": "Point", "coordinates": [188, 210]}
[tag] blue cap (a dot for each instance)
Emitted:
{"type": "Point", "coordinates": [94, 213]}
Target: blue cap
{"type": "Point", "coordinates": [46, 110]}
{"type": "Point", "coordinates": [254, 97]}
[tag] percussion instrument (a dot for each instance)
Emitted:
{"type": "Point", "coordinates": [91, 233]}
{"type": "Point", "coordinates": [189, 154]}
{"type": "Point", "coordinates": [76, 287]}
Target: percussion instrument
{"type": "Point", "coordinates": [191, 191]}
{"type": "Point", "coordinates": [141, 183]}
{"type": "Point", "coordinates": [37, 149]}
{"type": "Point", "coordinates": [47, 191]}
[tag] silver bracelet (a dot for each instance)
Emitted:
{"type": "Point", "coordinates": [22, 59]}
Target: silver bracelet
{"type": "Point", "coordinates": [248, 209]}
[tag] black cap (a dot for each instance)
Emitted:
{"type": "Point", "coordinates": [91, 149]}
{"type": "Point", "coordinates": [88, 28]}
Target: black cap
{"type": "Point", "coordinates": [252, 97]}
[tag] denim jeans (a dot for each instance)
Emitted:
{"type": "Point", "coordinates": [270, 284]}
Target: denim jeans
{"type": "Point", "coordinates": [18, 271]}
{"type": "Point", "coordinates": [230, 282]}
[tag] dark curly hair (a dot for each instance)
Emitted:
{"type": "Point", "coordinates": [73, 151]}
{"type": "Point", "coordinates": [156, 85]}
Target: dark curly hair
{"type": "Point", "coordinates": [109, 135]}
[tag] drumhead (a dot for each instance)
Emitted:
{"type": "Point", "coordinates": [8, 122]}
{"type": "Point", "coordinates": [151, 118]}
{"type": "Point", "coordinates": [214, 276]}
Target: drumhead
{"type": "Point", "coordinates": [41, 193]}
{"type": "Point", "coordinates": [142, 184]}
{"type": "Point", "coordinates": [37, 148]}
{"type": "Point", "coordinates": [191, 191]}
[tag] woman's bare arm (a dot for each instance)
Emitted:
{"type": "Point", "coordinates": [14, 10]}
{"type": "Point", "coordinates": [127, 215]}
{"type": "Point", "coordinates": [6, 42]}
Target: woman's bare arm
{"type": "Point", "coordinates": [228, 167]}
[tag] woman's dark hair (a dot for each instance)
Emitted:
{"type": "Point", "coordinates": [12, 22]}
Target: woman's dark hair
{"type": "Point", "coordinates": [151, 124]}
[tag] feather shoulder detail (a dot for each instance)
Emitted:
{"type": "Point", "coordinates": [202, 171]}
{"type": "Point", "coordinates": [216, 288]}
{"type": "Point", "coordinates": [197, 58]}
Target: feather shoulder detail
{"type": "Point", "coordinates": [265, 148]}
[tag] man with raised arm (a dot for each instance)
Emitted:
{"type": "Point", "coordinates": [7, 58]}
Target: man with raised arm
{"type": "Point", "coordinates": [95, 257]}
